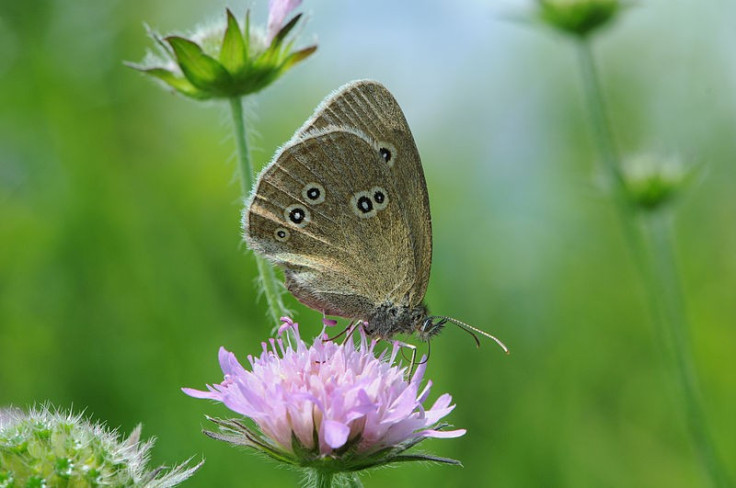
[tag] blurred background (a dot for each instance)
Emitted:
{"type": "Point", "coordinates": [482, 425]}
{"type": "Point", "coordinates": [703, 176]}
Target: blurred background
{"type": "Point", "coordinates": [122, 268]}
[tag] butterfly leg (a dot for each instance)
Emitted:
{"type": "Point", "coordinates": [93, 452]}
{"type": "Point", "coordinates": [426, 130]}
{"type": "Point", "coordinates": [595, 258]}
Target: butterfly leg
{"type": "Point", "coordinates": [348, 331]}
{"type": "Point", "coordinates": [413, 364]}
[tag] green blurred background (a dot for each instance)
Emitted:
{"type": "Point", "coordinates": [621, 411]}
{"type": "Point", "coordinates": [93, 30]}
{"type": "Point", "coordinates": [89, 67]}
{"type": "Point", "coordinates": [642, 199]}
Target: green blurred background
{"type": "Point", "coordinates": [122, 269]}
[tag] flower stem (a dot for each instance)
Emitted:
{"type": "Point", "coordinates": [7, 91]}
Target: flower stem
{"type": "Point", "coordinates": [241, 139]}
{"type": "Point", "coordinates": [351, 480]}
{"type": "Point", "coordinates": [607, 148]}
{"type": "Point", "coordinates": [654, 257]}
{"type": "Point", "coordinates": [324, 479]}
{"type": "Point", "coordinates": [268, 282]}
{"type": "Point", "coordinates": [664, 270]}
{"type": "Point", "coordinates": [328, 479]}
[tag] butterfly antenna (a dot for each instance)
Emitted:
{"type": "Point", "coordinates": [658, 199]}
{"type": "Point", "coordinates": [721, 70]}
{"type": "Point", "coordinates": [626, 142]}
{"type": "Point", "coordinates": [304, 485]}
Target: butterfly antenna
{"type": "Point", "coordinates": [474, 330]}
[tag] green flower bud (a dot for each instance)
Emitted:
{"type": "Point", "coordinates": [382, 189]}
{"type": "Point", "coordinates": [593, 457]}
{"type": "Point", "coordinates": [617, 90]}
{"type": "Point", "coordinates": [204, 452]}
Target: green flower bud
{"type": "Point", "coordinates": [578, 17]}
{"type": "Point", "coordinates": [225, 61]}
{"type": "Point", "coordinates": [45, 448]}
{"type": "Point", "coordinates": [651, 181]}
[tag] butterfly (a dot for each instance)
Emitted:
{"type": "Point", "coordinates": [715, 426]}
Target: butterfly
{"type": "Point", "coordinates": [343, 208]}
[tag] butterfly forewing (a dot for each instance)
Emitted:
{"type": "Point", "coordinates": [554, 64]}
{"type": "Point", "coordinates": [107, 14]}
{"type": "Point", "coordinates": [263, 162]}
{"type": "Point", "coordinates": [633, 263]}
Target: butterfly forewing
{"type": "Point", "coordinates": [369, 108]}
{"type": "Point", "coordinates": [329, 212]}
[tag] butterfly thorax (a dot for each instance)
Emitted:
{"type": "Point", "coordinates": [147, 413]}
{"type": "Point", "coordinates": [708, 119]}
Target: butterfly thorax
{"type": "Point", "coordinates": [390, 319]}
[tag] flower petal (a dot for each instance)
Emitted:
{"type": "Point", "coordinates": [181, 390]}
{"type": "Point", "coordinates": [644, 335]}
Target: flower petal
{"type": "Point", "coordinates": [277, 12]}
{"type": "Point", "coordinates": [211, 395]}
{"type": "Point", "coordinates": [335, 433]}
{"type": "Point", "coordinates": [444, 434]}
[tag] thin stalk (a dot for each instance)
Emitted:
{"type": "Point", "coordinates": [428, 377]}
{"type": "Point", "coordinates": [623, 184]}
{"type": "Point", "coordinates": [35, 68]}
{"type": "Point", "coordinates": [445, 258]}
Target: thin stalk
{"type": "Point", "coordinates": [655, 259]}
{"type": "Point", "coordinates": [267, 276]}
{"type": "Point", "coordinates": [664, 269]}
{"type": "Point", "coordinates": [241, 139]}
{"type": "Point", "coordinates": [607, 149]}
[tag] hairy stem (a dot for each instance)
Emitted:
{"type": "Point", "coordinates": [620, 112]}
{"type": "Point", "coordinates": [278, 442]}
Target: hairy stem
{"type": "Point", "coordinates": [267, 276]}
{"type": "Point", "coordinates": [351, 480]}
{"type": "Point", "coordinates": [323, 479]}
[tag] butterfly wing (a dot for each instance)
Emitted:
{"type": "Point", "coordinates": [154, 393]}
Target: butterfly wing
{"type": "Point", "coordinates": [370, 109]}
{"type": "Point", "coordinates": [328, 211]}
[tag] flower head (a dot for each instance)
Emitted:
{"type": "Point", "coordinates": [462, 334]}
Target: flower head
{"type": "Point", "coordinates": [51, 448]}
{"type": "Point", "coordinates": [329, 406]}
{"type": "Point", "coordinates": [578, 17]}
{"type": "Point", "coordinates": [651, 181]}
{"type": "Point", "coordinates": [224, 60]}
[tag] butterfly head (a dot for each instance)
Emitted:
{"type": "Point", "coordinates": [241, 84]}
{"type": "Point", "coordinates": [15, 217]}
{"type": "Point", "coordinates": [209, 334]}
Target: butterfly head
{"type": "Point", "coordinates": [389, 319]}
{"type": "Point", "coordinates": [430, 327]}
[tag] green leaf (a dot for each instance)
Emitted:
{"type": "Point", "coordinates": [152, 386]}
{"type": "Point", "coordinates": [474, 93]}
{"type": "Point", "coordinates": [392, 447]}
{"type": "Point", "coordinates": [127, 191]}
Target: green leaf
{"type": "Point", "coordinates": [246, 32]}
{"type": "Point", "coordinates": [300, 451]}
{"type": "Point", "coordinates": [297, 56]}
{"type": "Point", "coordinates": [425, 457]}
{"type": "Point", "coordinates": [232, 54]}
{"type": "Point", "coordinates": [284, 31]}
{"type": "Point", "coordinates": [182, 85]}
{"type": "Point", "coordinates": [202, 70]}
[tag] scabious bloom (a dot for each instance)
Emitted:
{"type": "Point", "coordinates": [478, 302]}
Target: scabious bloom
{"type": "Point", "coordinates": [578, 17]}
{"type": "Point", "coordinates": [50, 448]}
{"type": "Point", "coordinates": [331, 407]}
{"type": "Point", "coordinates": [224, 60]}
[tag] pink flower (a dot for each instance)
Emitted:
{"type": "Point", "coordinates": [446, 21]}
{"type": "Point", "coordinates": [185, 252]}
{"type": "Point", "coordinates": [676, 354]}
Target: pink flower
{"type": "Point", "coordinates": [328, 402]}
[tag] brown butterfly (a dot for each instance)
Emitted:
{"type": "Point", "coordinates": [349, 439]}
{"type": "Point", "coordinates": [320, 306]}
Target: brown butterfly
{"type": "Point", "coordinates": [343, 209]}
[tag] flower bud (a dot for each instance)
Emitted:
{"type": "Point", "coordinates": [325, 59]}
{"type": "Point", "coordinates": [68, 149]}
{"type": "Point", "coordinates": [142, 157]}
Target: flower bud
{"type": "Point", "coordinates": [578, 17]}
{"type": "Point", "coordinates": [45, 448]}
{"type": "Point", "coordinates": [225, 60]}
{"type": "Point", "coordinates": [651, 181]}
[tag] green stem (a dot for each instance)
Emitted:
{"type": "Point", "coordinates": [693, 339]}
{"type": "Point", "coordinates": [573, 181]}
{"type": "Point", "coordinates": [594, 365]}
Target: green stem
{"type": "Point", "coordinates": [241, 139]}
{"type": "Point", "coordinates": [352, 480]}
{"type": "Point", "coordinates": [607, 148]}
{"type": "Point", "coordinates": [664, 271]}
{"type": "Point", "coordinates": [655, 259]}
{"type": "Point", "coordinates": [324, 479]}
{"type": "Point", "coordinates": [603, 136]}
{"type": "Point", "coordinates": [268, 282]}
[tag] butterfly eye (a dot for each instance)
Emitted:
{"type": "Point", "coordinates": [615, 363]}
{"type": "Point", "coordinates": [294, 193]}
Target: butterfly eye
{"type": "Point", "coordinates": [387, 152]}
{"type": "Point", "coordinates": [281, 234]}
{"type": "Point", "coordinates": [363, 205]}
{"type": "Point", "coordinates": [313, 193]}
{"type": "Point", "coordinates": [379, 197]}
{"type": "Point", "coordinates": [297, 214]}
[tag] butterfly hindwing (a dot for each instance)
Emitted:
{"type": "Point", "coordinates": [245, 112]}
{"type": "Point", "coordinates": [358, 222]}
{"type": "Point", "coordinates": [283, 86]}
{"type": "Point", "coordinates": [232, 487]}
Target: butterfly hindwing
{"type": "Point", "coordinates": [328, 211]}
